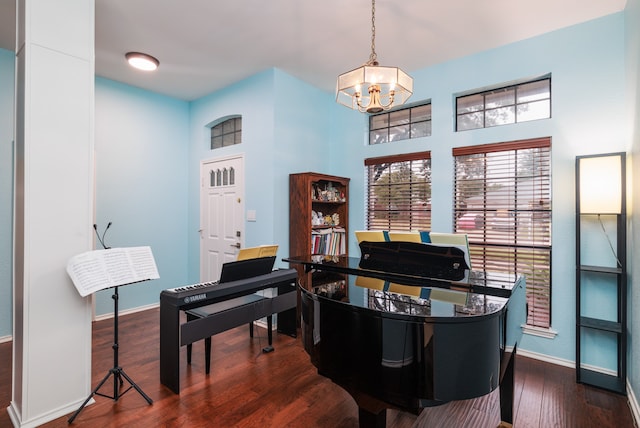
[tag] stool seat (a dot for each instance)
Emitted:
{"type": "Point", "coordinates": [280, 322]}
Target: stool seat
{"type": "Point", "coordinates": [240, 305]}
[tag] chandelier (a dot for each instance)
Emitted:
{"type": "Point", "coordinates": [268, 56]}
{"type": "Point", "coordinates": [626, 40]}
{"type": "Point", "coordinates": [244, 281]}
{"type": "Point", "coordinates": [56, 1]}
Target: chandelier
{"type": "Point", "coordinates": [384, 87]}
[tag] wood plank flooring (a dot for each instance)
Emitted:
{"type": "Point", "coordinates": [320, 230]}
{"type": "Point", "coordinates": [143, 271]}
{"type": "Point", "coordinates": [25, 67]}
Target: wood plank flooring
{"type": "Point", "coordinates": [247, 388]}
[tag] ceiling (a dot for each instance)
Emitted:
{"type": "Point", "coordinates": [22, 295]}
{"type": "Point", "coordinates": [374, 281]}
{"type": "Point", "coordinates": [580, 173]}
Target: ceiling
{"type": "Point", "coordinates": [205, 45]}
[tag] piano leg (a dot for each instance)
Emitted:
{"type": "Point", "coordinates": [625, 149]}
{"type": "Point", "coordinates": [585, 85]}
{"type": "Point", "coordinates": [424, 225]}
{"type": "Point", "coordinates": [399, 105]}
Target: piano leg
{"type": "Point", "coordinates": [372, 412]}
{"type": "Point", "coordinates": [269, 348]}
{"type": "Point", "coordinates": [207, 355]}
{"type": "Point", "coordinates": [372, 420]}
{"type": "Point", "coordinates": [189, 346]}
{"type": "Point", "coordinates": [506, 392]}
{"type": "Point", "coordinates": [169, 346]}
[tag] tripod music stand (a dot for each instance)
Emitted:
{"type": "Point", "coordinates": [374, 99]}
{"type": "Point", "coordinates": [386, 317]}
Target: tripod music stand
{"type": "Point", "coordinates": [117, 371]}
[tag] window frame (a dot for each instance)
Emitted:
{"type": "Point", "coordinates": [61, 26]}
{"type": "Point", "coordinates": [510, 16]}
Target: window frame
{"type": "Point", "coordinates": [418, 214]}
{"type": "Point", "coordinates": [218, 132]}
{"type": "Point", "coordinates": [391, 123]}
{"type": "Point", "coordinates": [525, 242]}
{"type": "Point", "coordinates": [497, 105]}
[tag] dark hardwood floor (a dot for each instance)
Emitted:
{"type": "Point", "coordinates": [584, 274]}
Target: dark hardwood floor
{"type": "Point", "coordinates": [247, 388]}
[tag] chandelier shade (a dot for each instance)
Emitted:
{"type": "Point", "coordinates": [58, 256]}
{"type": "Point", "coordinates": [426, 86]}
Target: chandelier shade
{"type": "Point", "coordinates": [373, 88]}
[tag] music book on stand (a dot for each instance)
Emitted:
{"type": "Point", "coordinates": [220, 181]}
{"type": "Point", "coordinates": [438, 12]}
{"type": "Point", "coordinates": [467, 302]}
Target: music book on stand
{"type": "Point", "coordinates": [99, 269]}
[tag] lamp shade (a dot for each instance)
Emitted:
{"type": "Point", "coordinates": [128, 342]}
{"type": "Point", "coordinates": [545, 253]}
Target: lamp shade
{"type": "Point", "coordinates": [601, 184]}
{"type": "Point", "coordinates": [393, 87]}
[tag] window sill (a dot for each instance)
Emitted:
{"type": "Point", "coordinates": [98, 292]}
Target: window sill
{"type": "Point", "coordinates": [547, 333]}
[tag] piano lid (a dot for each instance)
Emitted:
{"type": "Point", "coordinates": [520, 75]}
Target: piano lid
{"type": "Point", "coordinates": [414, 259]}
{"type": "Point", "coordinates": [407, 300]}
{"type": "Point", "coordinates": [411, 273]}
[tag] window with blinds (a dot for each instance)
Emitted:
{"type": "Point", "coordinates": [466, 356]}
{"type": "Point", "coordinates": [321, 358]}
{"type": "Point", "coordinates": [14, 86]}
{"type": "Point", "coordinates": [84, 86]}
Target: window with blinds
{"type": "Point", "coordinates": [502, 201]}
{"type": "Point", "coordinates": [399, 192]}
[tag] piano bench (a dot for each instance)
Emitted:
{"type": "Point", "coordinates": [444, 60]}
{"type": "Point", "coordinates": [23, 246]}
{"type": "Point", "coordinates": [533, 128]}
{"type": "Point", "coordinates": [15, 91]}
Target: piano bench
{"type": "Point", "coordinates": [238, 310]}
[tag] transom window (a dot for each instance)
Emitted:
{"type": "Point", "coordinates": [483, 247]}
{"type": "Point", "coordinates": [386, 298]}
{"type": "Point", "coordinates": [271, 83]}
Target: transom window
{"type": "Point", "coordinates": [399, 192]}
{"type": "Point", "coordinates": [413, 122]}
{"type": "Point", "coordinates": [502, 202]}
{"type": "Point", "coordinates": [226, 133]}
{"type": "Point", "coordinates": [510, 104]}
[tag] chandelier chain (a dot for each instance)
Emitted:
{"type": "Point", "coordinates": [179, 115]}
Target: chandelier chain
{"type": "Point", "coordinates": [373, 58]}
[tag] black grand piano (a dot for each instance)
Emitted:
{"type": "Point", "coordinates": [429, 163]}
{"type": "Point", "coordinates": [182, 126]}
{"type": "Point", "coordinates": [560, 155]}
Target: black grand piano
{"type": "Point", "coordinates": [409, 326]}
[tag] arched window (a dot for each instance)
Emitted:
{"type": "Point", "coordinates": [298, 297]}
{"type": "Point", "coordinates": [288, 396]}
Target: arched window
{"type": "Point", "coordinates": [226, 133]}
{"type": "Point", "coordinates": [222, 177]}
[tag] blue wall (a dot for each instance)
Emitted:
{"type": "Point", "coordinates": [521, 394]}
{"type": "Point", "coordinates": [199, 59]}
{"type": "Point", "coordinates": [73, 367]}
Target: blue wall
{"type": "Point", "coordinates": [253, 100]}
{"type": "Point", "coordinates": [285, 129]}
{"type": "Point", "coordinates": [6, 188]}
{"type": "Point", "coordinates": [149, 148]}
{"type": "Point", "coordinates": [588, 109]}
{"type": "Point", "coordinates": [141, 181]}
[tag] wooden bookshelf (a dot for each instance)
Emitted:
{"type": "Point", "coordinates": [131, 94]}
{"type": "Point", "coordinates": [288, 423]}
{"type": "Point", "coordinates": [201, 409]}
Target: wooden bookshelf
{"type": "Point", "coordinates": [326, 234]}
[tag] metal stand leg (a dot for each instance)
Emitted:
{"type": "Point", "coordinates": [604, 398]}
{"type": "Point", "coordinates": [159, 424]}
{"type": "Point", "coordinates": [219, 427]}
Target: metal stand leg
{"type": "Point", "coordinates": [117, 371]}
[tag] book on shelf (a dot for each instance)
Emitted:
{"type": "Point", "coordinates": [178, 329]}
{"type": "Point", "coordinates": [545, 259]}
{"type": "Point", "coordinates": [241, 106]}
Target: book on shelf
{"type": "Point", "coordinates": [329, 241]}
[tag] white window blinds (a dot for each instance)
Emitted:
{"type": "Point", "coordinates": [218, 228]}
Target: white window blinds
{"type": "Point", "coordinates": [399, 192]}
{"type": "Point", "coordinates": [502, 201]}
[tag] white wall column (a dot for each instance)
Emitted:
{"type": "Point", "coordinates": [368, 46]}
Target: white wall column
{"type": "Point", "coordinates": [53, 207]}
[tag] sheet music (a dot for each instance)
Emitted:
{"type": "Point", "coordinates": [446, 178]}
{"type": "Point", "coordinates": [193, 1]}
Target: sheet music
{"type": "Point", "coordinates": [99, 269]}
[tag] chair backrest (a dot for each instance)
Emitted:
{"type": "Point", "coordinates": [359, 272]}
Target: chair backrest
{"type": "Point", "coordinates": [459, 240]}
{"type": "Point", "coordinates": [370, 235]}
{"type": "Point", "coordinates": [256, 252]}
{"type": "Point", "coordinates": [368, 282]}
{"type": "Point", "coordinates": [404, 236]}
{"type": "Point", "coordinates": [268, 250]}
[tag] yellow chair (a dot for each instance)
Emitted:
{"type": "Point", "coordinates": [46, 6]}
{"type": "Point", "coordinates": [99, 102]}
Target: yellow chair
{"type": "Point", "coordinates": [372, 283]}
{"type": "Point", "coordinates": [459, 240]}
{"type": "Point", "coordinates": [256, 252]}
{"type": "Point", "coordinates": [405, 236]}
{"type": "Point", "coordinates": [407, 290]}
{"type": "Point", "coordinates": [268, 250]}
{"type": "Point", "coordinates": [370, 235]}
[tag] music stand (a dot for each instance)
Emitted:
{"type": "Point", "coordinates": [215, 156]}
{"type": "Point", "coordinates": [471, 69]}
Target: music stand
{"type": "Point", "coordinates": [117, 371]}
{"type": "Point", "coordinates": [89, 272]}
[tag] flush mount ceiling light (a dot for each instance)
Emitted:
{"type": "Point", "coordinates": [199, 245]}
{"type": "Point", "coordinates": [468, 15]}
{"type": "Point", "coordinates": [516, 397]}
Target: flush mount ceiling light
{"type": "Point", "coordinates": [387, 87]}
{"type": "Point", "coordinates": [142, 61]}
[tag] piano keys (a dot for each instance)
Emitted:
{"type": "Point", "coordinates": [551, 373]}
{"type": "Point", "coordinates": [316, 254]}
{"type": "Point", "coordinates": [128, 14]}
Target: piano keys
{"type": "Point", "coordinates": [174, 334]}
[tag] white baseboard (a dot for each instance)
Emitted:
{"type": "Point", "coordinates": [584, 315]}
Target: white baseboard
{"type": "Point", "coordinates": [262, 322]}
{"type": "Point", "coordinates": [633, 405]}
{"type": "Point", "coordinates": [34, 422]}
{"type": "Point", "coordinates": [547, 358]}
{"type": "Point", "coordinates": [106, 316]}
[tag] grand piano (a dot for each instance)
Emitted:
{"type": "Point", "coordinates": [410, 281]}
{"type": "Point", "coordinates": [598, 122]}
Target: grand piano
{"type": "Point", "coordinates": [409, 326]}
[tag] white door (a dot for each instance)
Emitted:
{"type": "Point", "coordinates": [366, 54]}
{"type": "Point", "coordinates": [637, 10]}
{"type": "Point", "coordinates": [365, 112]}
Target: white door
{"type": "Point", "coordinates": [221, 214]}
